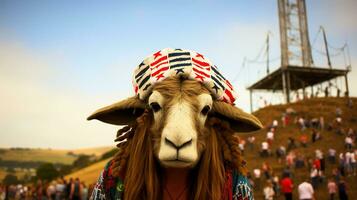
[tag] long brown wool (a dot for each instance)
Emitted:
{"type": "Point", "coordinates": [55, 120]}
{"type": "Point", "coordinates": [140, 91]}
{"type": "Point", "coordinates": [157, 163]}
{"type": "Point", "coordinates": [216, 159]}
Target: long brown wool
{"type": "Point", "coordinates": [138, 145]}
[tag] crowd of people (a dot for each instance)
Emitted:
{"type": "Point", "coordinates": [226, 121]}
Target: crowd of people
{"type": "Point", "coordinates": [313, 166]}
{"type": "Point", "coordinates": [61, 189]}
{"type": "Point", "coordinates": [271, 183]}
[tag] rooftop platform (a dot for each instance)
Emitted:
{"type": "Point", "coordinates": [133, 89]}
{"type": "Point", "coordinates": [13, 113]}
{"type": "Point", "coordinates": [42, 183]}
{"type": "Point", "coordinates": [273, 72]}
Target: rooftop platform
{"type": "Point", "coordinates": [297, 77]}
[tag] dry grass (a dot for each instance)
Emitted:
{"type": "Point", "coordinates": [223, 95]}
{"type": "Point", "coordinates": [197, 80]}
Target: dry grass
{"type": "Point", "coordinates": [89, 174]}
{"type": "Point", "coordinates": [49, 155]}
{"type": "Point", "coordinates": [325, 107]}
{"type": "Point", "coordinates": [2, 174]}
{"type": "Point", "coordinates": [44, 155]}
{"type": "Point", "coordinates": [97, 151]}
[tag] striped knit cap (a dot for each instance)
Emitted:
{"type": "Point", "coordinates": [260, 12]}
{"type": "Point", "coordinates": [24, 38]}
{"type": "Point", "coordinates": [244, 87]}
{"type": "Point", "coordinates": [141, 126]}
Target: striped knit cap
{"type": "Point", "coordinates": [179, 62]}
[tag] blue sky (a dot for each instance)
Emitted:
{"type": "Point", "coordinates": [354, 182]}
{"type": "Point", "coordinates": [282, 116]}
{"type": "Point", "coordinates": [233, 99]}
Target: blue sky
{"type": "Point", "coordinates": [61, 60]}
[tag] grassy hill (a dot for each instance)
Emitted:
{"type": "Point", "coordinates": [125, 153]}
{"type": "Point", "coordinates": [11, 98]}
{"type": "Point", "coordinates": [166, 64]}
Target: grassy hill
{"type": "Point", "coordinates": [89, 174]}
{"type": "Point", "coordinates": [41, 155]}
{"type": "Point", "coordinates": [18, 172]}
{"type": "Point", "coordinates": [2, 174]}
{"type": "Point", "coordinates": [24, 160]}
{"type": "Point", "coordinates": [48, 155]}
{"type": "Point", "coordinates": [311, 108]}
{"type": "Point", "coordinates": [97, 151]}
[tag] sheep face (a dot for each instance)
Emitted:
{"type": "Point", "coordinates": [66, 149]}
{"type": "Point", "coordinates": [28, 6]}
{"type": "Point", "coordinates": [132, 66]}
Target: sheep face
{"type": "Point", "coordinates": [179, 115]}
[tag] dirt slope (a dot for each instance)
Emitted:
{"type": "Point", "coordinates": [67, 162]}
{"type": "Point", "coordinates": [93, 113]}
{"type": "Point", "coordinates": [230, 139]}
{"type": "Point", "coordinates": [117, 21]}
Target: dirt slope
{"type": "Point", "coordinates": [312, 108]}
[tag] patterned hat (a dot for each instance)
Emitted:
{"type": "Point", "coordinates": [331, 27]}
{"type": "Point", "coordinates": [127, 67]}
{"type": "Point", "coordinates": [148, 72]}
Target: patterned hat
{"type": "Point", "coordinates": [179, 62]}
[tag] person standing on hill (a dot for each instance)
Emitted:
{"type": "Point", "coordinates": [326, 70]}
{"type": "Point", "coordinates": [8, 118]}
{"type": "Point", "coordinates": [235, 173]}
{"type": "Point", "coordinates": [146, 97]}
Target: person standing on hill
{"type": "Point", "coordinates": [291, 144]}
{"type": "Point", "coordinates": [76, 190]}
{"type": "Point", "coordinates": [265, 149]}
{"type": "Point", "coordinates": [303, 140]}
{"type": "Point", "coordinates": [332, 156]}
{"type": "Point", "coordinates": [269, 191]}
{"type": "Point", "coordinates": [39, 189]}
{"type": "Point", "coordinates": [251, 140]}
{"type": "Point", "coordinates": [257, 179]}
{"type": "Point", "coordinates": [322, 123]}
{"type": "Point", "coordinates": [332, 189]}
{"type": "Point", "coordinates": [2, 192]}
{"type": "Point", "coordinates": [68, 188]}
{"type": "Point", "coordinates": [354, 162]}
{"type": "Point", "coordinates": [280, 153]}
{"type": "Point", "coordinates": [348, 142]}
{"type": "Point", "coordinates": [266, 170]}
{"type": "Point", "coordinates": [320, 156]}
{"type": "Point", "coordinates": [284, 119]}
{"type": "Point", "coordinates": [270, 136]}
{"type": "Point", "coordinates": [60, 189]}
{"type": "Point", "coordinates": [51, 190]}
{"type": "Point", "coordinates": [276, 185]}
{"type": "Point", "coordinates": [314, 175]}
{"type": "Point", "coordinates": [313, 136]}
{"type": "Point", "coordinates": [241, 146]}
{"type": "Point", "coordinates": [301, 122]}
{"type": "Point", "coordinates": [275, 124]}
{"type": "Point", "coordinates": [341, 164]}
{"type": "Point", "coordinates": [342, 190]}
{"type": "Point", "coordinates": [326, 91]}
{"type": "Point", "coordinates": [84, 194]}
{"type": "Point", "coordinates": [348, 159]}
{"type": "Point", "coordinates": [290, 159]}
{"type": "Point", "coordinates": [287, 187]}
{"type": "Point", "coordinates": [306, 192]}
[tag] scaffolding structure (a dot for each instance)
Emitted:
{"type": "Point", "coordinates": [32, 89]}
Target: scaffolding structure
{"type": "Point", "coordinates": [297, 70]}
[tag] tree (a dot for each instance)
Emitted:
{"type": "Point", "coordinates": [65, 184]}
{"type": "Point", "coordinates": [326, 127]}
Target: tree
{"type": "Point", "coordinates": [10, 170]}
{"type": "Point", "coordinates": [82, 161]}
{"type": "Point", "coordinates": [109, 154]}
{"type": "Point", "coordinates": [10, 179]}
{"type": "Point", "coordinates": [46, 171]}
{"type": "Point", "coordinates": [65, 169]}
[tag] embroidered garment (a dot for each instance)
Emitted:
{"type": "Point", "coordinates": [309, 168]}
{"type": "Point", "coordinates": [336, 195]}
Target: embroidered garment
{"type": "Point", "coordinates": [177, 62]}
{"type": "Point", "coordinates": [237, 186]}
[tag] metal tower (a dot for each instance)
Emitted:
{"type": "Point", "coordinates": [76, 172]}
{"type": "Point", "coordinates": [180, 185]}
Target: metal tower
{"type": "Point", "coordinates": [295, 45]}
{"type": "Point", "coordinates": [297, 70]}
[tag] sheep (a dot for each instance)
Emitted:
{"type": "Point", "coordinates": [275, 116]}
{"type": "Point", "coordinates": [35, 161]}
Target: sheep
{"type": "Point", "coordinates": [178, 139]}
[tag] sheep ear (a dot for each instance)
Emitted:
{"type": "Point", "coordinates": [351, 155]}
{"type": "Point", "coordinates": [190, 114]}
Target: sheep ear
{"type": "Point", "coordinates": [121, 113]}
{"type": "Point", "coordinates": [239, 120]}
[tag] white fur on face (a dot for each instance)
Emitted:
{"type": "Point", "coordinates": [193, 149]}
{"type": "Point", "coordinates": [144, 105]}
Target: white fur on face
{"type": "Point", "coordinates": [178, 145]}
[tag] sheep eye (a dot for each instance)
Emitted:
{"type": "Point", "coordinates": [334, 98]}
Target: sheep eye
{"type": "Point", "coordinates": [155, 106]}
{"type": "Point", "coordinates": [205, 110]}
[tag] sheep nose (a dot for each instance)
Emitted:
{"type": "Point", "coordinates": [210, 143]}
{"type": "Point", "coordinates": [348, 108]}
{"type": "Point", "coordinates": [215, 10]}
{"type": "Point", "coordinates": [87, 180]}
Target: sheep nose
{"type": "Point", "coordinates": [176, 145]}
